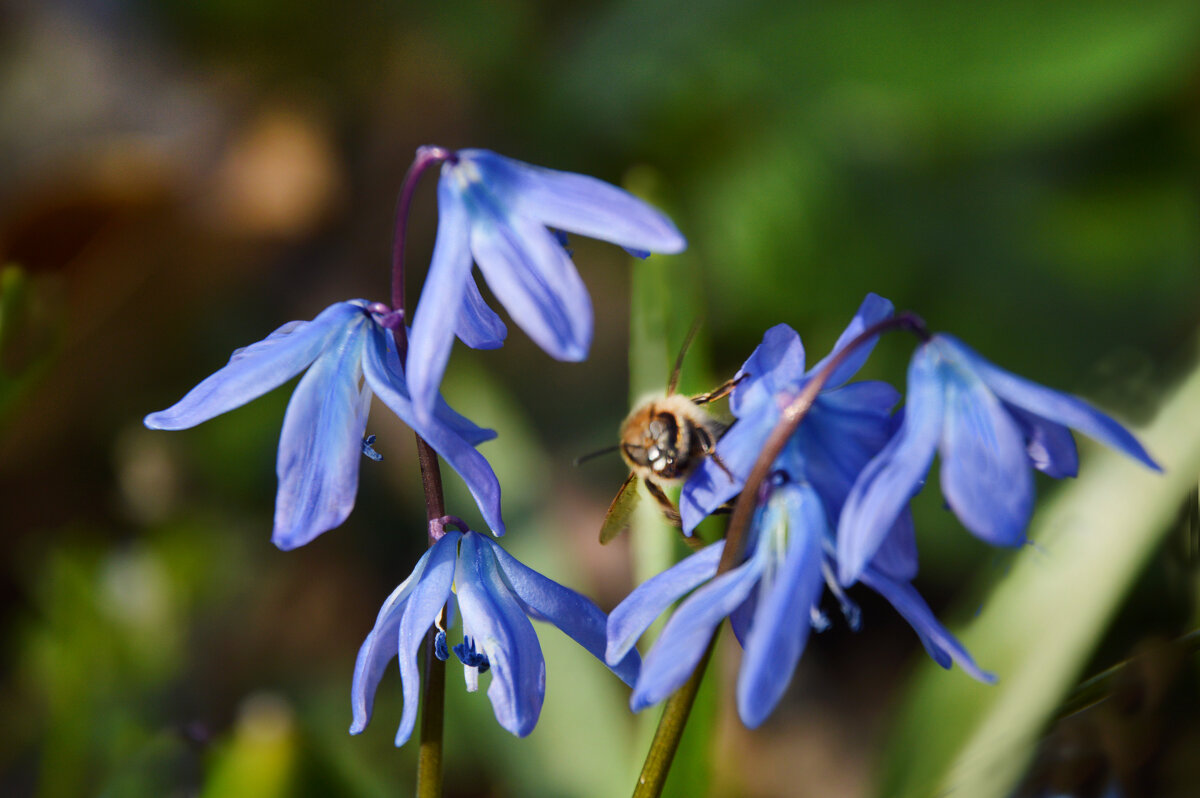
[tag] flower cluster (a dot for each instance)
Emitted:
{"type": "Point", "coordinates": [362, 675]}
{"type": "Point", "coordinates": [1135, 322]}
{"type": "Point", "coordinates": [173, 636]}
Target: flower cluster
{"type": "Point", "coordinates": [833, 512]}
{"type": "Point", "coordinates": [510, 218]}
{"type": "Point", "coordinates": [835, 509]}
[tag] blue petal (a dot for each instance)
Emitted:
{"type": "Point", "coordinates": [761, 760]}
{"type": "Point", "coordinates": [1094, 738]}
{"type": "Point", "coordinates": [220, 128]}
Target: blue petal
{"type": "Point", "coordinates": [534, 278]}
{"type": "Point", "coordinates": [478, 326]}
{"type": "Point", "coordinates": [577, 203]}
{"type": "Point", "coordinates": [781, 623]}
{"type": "Point", "coordinates": [430, 595]}
{"type": "Point", "coordinates": [885, 485]}
{"type": "Point", "coordinates": [686, 636]}
{"type": "Point", "coordinates": [256, 369]}
{"type": "Point", "coordinates": [941, 645]}
{"type": "Point", "coordinates": [775, 365]}
{"type": "Point", "coordinates": [576, 615]}
{"type": "Point", "coordinates": [873, 310]}
{"type": "Point", "coordinates": [630, 619]}
{"type": "Point", "coordinates": [500, 628]}
{"type": "Point", "coordinates": [443, 298]}
{"type": "Point", "coordinates": [445, 439]}
{"type": "Point", "coordinates": [460, 424]}
{"type": "Point", "coordinates": [845, 428]}
{"type": "Point", "coordinates": [320, 447]}
{"type": "Point", "coordinates": [1052, 405]}
{"type": "Point", "coordinates": [420, 597]}
{"type": "Point", "coordinates": [1050, 446]}
{"type": "Point", "coordinates": [897, 555]}
{"type": "Point", "coordinates": [985, 472]}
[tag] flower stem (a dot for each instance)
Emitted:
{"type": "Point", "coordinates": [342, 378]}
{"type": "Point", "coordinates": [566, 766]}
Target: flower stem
{"type": "Point", "coordinates": [426, 157]}
{"type": "Point", "coordinates": [670, 731]}
{"type": "Point", "coordinates": [433, 681]}
{"type": "Point", "coordinates": [679, 705]}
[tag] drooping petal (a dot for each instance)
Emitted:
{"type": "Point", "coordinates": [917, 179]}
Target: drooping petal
{"type": "Point", "coordinates": [440, 307]}
{"type": "Point", "coordinates": [380, 646]}
{"type": "Point", "coordinates": [887, 483]}
{"type": "Point", "coordinates": [1050, 446]}
{"type": "Point", "coordinates": [686, 635]}
{"type": "Point", "coordinates": [985, 474]}
{"type": "Point", "coordinates": [941, 645]}
{"type": "Point", "coordinates": [577, 203]}
{"type": "Point", "coordinates": [630, 619]}
{"type": "Point", "coordinates": [445, 440]}
{"type": "Point", "coordinates": [1052, 405]}
{"type": "Point", "coordinates": [531, 274]}
{"type": "Point", "coordinates": [503, 632]}
{"type": "Point", "coordinates": [256, 369]}
{"type": "Point", "coordinates": [775, 365]}
{"type": "Point", "coordinates": [320, 447]}
{"type": "Point", "coordinates": [781, 622]}
{"type": "Point", "coordinates": [873, 310]}
{"type": "Point", "coordinates": [576, 615]}
{"type": "Point", "coordinates": [462, 426]}
{"type": "Point", "coordinates": [431, 594]}
{"type": "Point", "coordinates": [478, 326]}
{"type": "Point", "coordinates": [896, 557]}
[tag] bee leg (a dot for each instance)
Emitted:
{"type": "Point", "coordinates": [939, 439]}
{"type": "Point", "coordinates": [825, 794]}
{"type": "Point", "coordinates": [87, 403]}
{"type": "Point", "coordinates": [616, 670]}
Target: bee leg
{"type": "Point", "coordinates": [720, 392]}
{"type": "Point", "coordinates": [668, 509]}
{"type": "Point", "coordinates": [725, 509]}
{"type": "Point", "coordinates": [716, 458]}
{"type": "Point", "coordinates": [709, 447]}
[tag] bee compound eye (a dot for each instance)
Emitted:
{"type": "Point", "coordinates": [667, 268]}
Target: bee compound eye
{"type": "Point", "coordinates": [635, 453]}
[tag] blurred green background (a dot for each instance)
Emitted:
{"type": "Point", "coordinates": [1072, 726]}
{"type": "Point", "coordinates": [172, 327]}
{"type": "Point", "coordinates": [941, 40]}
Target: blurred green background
{"type": "Point", "coordinates": [177, 179]}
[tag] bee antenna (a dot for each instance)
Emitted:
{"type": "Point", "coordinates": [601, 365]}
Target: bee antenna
{"type": "Point", "coordinates": [673, 382]}
{"type": "Point", "coordinates": [593, 455]}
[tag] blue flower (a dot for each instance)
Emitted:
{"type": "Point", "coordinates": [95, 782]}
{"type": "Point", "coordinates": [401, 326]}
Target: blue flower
{"type": "Point", "coordinates": [990, 427]}
{"type": "Point", "coordinates": [322, 440]}
{"type": "Point", "coordinates": [496, 597]}
{"type": "Point", "coordinates": [495, 212]}
{"type": "Point", "coordinates": [846, 426]}
{"type": "Point", "coordinates": [772, 600]}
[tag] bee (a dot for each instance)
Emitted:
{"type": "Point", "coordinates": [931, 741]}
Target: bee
{"type": "Point", "coordinates": [663, 441]}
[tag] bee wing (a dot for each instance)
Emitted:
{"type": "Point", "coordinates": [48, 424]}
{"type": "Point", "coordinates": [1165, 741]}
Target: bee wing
{"type": "Point", "coordinates": [617, 519]}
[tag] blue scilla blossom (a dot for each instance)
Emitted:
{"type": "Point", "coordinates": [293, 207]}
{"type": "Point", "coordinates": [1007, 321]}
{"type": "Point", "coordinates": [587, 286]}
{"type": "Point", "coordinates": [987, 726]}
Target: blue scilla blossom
{"type": "Point", "coordinates": [772, 600]}
{"type": "Point", "coordinates": [990, 427]}
{"type": "Point", "coordinates": [350, 356]}
{"type": "Point", "coordinates": [495, 212]}
{"type": "Point", "coordinates": [496, 596]}
{"type": "Point", "coordinates": [846, 426]}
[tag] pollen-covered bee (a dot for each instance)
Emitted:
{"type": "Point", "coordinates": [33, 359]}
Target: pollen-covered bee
{"type": "Point", "coordinates": [663, 441]}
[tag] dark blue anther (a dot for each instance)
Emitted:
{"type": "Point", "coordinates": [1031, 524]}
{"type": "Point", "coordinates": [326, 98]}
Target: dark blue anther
{"type": "Point", "coordinates": [368, 451]}
{"type": "Point", "coordinates": [439, 646]}
{"type": "Point", "coordinates": [470, 657]}
{"type": "Point", "coordinates": [562, 240]}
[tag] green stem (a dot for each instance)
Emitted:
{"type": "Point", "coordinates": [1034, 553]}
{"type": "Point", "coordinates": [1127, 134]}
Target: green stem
{"type": "Point", "coordinates": [670, 731]}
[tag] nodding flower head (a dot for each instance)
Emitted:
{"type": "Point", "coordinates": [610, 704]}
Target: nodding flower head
{"type": "Point", "coordinates": [349, 355]}
{"type": "Point", "coordinates": [772, 600]}
{"type": "Point", "coordinates": [508, 218]}
{"type": "Point", "coordinates": [496, 596]}
{"type": "Point", "coordinates": [991, 429]}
